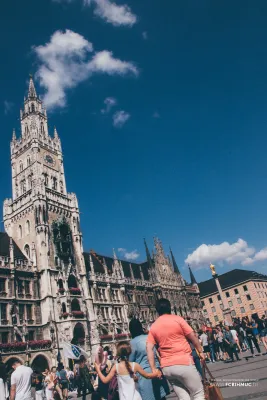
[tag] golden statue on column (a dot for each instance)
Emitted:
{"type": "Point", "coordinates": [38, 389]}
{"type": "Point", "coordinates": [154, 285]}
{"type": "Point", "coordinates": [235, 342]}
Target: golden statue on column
{"type": "Point", "coordinates": [212, 268]}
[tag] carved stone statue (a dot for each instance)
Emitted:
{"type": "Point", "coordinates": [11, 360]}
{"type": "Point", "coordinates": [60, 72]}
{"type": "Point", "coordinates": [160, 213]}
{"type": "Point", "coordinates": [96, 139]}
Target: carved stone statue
{"type": "Point", "coordinates": [212, 268]}
{"type": "Point", "coordinates": [14, 313]}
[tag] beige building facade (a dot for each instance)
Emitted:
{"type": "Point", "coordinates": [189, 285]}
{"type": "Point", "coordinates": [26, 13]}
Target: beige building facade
{"type": "Point", "coordinates": [245, 293]}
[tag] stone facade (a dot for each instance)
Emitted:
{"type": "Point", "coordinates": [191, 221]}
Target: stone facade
{"type": "Point", "coordinates": [245, 294]}
{"type": "Point", "coordinates": [50, 290]}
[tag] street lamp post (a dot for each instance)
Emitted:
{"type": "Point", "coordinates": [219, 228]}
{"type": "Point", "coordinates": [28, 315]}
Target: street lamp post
{"type": "Point", "coordinates": [226, 310]}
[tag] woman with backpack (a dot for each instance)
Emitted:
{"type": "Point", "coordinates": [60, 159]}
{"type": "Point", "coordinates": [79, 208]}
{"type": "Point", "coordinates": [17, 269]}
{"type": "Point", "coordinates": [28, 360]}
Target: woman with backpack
{"type": "Point", "coordinates": [63, 381]}
{"type": "Point", "coordinates": [125, 373]}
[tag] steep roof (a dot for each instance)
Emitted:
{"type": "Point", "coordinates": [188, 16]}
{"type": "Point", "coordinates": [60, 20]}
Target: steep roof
{"type": "Point", "coordinates": [4, 247]}
{"type": "Point", "coordinates": [99, 260]}
{"type": "Point", "coordinates": [231, 278]}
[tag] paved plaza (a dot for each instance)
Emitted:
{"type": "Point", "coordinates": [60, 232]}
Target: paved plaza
{"type": "Point", "coordinates": [253, 369]}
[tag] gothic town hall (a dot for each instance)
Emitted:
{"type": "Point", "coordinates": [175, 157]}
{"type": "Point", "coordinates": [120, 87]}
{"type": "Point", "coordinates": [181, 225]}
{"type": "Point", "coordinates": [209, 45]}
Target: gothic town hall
{"type": "Point", "coordinates": [51, 290]}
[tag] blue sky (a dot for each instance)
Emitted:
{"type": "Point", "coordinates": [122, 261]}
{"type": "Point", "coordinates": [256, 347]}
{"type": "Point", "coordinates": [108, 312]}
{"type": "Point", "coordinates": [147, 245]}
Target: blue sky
{"type": "Point", "coordinates": [180, 150]}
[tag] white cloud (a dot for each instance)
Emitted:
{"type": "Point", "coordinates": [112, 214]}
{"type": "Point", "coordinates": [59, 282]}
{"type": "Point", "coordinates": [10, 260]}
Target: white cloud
{"type": "Point", "coordinates": [112, 13]}
{"type": "Point", "coordinates": [67, 60]}
{"type": "Point", "coordinates": [109, 103]}
{"type": "Point", "coordinates": [119, 118]}
{"type": "Point", "coordinates": [259, 256]}
{"type": "Point", "coordinates": [8, 107]}
{"type": "Point", "coordinates": [144, 34]}
{"type": "Point", "coordinates": [225, 252]}
{"type": "Point", "coordinates": [131, 255]}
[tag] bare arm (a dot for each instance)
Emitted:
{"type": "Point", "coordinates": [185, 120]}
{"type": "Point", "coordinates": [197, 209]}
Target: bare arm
{"type": "Point", "coordinates": [147, 375]}
{"type": "Point", "coordinates": [105, 379]}
{"type": "Point", "coordinates": [13, 392]}
{"type": "Point", "coordinates": [150, 356]}
{"type": "Point", "coordinates": [194, 340]}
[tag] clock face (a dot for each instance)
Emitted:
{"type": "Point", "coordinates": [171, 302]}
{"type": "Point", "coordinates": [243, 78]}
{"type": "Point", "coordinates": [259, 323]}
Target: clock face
{"type": "Point", "coordinates": [49, 159]}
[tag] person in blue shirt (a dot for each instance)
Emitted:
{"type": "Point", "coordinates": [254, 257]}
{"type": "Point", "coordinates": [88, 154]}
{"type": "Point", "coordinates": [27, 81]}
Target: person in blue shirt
{"type": "Point", "coordinates": [150, 389]}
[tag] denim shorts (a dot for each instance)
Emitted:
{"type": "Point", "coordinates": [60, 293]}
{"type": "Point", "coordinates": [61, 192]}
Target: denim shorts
{"type": "Point", "coordinates": [263, 332]}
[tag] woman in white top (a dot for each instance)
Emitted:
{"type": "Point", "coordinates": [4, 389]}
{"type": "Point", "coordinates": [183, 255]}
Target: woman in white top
{"type": "Point", "coordinates": [126, 373]}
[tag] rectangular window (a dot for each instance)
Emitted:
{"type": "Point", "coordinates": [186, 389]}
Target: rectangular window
{"type": "Point", "coordinates": [239, 300]}
{"type": "Point", "coordinates": [248, 297]}
{"type": "Point", "coordinates": [31, 335]}
{"type": "Point", "coordinates": [203, 304]}
{"type": "Point", "coordinates": [216, 318]}
{"type": "Point", "coordinates": [5, 337]}
{"type": "Point", "coordinates": [27, 287]}
{"type": "Point", "coordinates": [233, 313]}
{"type": "Point", "coordinates": [251, 306]}
{"type": "Point", "coordinates": [227, 294]}
{"type": "Point", "coordinates": [219, 297]}
{"type": "Point", "coordinates": [236, 291]}
{"type": "Point", "coordinates": [242, 309]}
{"type": "Point", "coordinates": [3, 312]}
{"type": "Point", "coordinates": [2, 285]}
{"type": "Point", "coordinates": [213, 309]}
{"type": "Point", "coordinates": [230, 303]}
{"type": "Point", "coordinates": [20, 287]}
{"type": "Point", "coordinates": [210, 300]}
{"type": "Point", "coordinates": [21, 313]}
{"type": "Point", "coordinates": [245, 288]}
{"type": "Point", "coordinates": [29, 311]}
{"type": "Point", "coordinates": [221, 306]}
{"type": "Point", "coordinates": [204, 311]}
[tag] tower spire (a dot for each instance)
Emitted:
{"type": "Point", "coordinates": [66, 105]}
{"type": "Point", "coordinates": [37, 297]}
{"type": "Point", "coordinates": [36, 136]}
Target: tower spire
{"type": "Point", "coordinates": [148, 256]}
{"type": "Point", "coordinates": [31, 91]}
{"type": "Point", "coordinates": [175, 266]}
{"type": "Point", "coordinates": [193, 279]}
{"type": "Point", "coordinates": [14, 135]}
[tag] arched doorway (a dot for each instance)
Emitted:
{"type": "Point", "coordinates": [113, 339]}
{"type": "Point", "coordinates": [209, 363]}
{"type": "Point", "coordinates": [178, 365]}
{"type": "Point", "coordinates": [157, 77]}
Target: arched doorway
{"type": "Point", "coordinates": [78, 334]}
{"type": "Point", "coordinates": [72, 283]}
{"type": "Point", "coordinates": [40, 364]}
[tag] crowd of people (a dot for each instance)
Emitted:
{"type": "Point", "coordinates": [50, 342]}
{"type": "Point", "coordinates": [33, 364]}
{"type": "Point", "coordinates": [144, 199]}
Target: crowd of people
{"type": "Point", "coordinates": [225, 343]}
{"type": "Point", "coordinates": [169, 355]}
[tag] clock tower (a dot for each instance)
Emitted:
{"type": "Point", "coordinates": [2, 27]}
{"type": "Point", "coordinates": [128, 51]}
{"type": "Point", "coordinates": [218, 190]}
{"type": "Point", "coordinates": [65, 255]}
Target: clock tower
{"type": "Point", "coordinates": [44, 220]}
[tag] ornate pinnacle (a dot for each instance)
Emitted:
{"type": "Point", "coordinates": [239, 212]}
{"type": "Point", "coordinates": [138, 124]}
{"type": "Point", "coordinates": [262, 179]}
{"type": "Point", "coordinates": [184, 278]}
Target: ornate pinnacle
{"type": "Point", "coordinates": [55, 133]}
{"type": "Point", "coordinates": [31, 91]}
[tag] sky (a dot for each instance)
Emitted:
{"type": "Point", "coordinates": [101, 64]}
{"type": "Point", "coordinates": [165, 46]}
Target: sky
{"type": "Point", "coordinates": [162, 113]}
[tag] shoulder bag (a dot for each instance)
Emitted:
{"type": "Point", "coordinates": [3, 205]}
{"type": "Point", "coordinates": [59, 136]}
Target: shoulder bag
{"type": "Point", "coordinates": [212, 391]}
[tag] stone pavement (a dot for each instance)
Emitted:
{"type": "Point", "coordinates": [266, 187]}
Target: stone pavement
{"type": "Point", "coordinates": [252, 371]}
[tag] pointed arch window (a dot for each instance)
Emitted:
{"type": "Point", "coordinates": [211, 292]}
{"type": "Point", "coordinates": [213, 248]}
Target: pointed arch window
{"type": "Point", "coordinates": [20, 231]}
{"type": "Point", "coordinates": [45, 179]}
{"type": "Point", "coordinates": [42, 127]}
{"type": "Point", "coordinates": [28, 161]}
{"type": "Point", "coordinates": [54, 183]}
{"type": "Point", "coordinates": [27, 250]}
{"type": "Point", "coordinates": [28, 227]}
{"type": "Point", "coordinates": [61, 186]}
{"type": "Point", "coordinates": [21, 166]}
{"type": "Point", "coordinates": [32, 108]}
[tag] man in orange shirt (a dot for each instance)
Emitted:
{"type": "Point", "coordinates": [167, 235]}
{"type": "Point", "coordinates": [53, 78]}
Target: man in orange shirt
{"type": "Point", "coordinates": [172, 334]}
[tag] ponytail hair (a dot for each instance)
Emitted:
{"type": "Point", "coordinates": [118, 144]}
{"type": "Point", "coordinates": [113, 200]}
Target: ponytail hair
{"type": "Point", "coordinates": [123, 352]}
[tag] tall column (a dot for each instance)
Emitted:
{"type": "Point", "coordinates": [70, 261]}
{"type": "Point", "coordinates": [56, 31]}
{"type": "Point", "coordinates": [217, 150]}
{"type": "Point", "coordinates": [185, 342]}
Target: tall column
{"type": "Point", "coordinates": [226, 310]}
